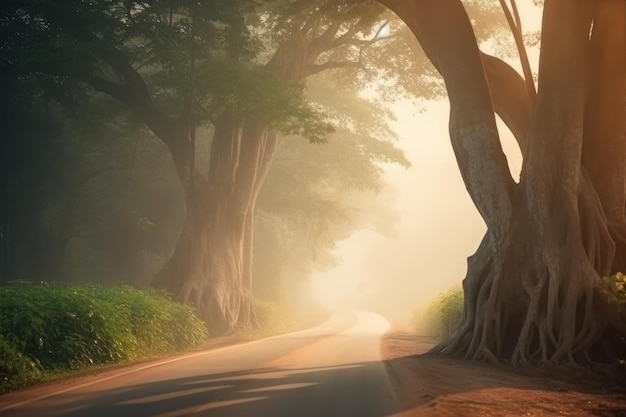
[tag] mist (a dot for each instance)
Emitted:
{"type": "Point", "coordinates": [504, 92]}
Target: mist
{"type": "Point", "coordinates": [438, 225]}
{"type": "Point", "coordinates": [363, 204]}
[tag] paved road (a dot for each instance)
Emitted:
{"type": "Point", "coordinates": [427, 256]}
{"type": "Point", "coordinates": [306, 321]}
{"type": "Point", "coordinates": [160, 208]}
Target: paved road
{"type": "Point", "coordinates": [331, 370]}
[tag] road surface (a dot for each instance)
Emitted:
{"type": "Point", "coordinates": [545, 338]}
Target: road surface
{"type": "Point", "coordinates": [330, 370]}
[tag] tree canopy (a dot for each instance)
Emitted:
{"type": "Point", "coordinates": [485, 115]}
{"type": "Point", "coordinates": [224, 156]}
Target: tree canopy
{"type": "Point", "coordinates": [229, 76]}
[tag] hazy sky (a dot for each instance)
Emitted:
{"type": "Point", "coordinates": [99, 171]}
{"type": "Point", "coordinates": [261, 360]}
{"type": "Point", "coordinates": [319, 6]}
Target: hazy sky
{"type": "Point", "coordinates": [439, 227]}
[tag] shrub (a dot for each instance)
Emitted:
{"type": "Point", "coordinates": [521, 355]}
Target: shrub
{"type": "Point", "coordinates": [15, 369]}
{"type": "Point", "coordinates": [443, 315]}
{"type": "Point", "coordinates": [58, 327]}
{"type": "Point", "coordinates": [616, 287]}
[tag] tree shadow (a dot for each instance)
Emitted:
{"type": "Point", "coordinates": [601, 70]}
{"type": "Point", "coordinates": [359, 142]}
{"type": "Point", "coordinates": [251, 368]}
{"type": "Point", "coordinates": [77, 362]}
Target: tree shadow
{"type": "Point", "coordinates": [353, 389]}
{"type": "Point", "coordinates": [261, 392]}
{"type": "Point", "coordinates": [438, 380]}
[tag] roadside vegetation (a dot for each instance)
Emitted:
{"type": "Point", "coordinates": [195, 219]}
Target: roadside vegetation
{"type": "Point", "coordinates": [442, 315]}
{"type": "Point", "coordinates": [52, 330]}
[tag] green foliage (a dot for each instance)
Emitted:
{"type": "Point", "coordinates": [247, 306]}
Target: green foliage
{"type": "Point", "coordinates": [443, 315]}
{"type": "Point", "coordinates": [616, 284]}
{"type": "Point", "coordinates": [15, 368]}
{"type": "Point", "coordinates": [55, 327]}
{"type": "Point", "coordinates": [256, 92]}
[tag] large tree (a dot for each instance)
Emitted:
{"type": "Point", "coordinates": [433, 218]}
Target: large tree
{"type": "Point", "coordinates": [177, 66]}
{"type": "Point", "coordinates": [316, 195]}
{"type": "Point", "coordinates": [182, 65]}
{"type": "Point", "coordinates": [534, 290]}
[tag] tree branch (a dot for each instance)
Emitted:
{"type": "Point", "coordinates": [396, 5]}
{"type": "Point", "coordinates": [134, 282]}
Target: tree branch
{"type": "Point", "coordinates": [516, 30]}
{"type": "Point", "coordinates": [446, 35]}
{"type": "Point", "coordinates": [311, 25]}
{"type": "Point", "coordinates": [510, 98]}
{"type": "Point", "coordinates": [317, 68]}
{"type": "Point", "coordinates": [342, 39]}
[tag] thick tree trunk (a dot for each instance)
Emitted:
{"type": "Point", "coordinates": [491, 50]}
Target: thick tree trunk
{"type": "Point", "coordinates": [533, 291]}
{"type": "Point", "coordinates": [211, 266]}
{"type": "Point", "coordinates": [604, 147]}
{"type": "Point", "coordinates": [211, 261]}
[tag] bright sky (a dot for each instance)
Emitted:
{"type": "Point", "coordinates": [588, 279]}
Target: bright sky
{"type": "Point", "coordinates": [439, 226]}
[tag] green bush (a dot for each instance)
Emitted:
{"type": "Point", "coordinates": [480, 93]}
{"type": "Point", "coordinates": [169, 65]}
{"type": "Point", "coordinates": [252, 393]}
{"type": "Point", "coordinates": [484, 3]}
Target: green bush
{"type": "Point", "coordinates": [15, 368]}
{"type": "Point", "coordinates": [443, 315]}
{"type": "Point", "coordinates": [57, 327]}
{"type": "Point", "coordinates": [616, 287]}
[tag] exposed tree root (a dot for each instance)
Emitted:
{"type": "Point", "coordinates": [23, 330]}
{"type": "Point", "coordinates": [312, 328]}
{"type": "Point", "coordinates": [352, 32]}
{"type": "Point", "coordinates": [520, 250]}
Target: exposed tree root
{"type": "Point", "coordinates": [206, 266]}
{"type": "Point", "coordinates": [529, 302]}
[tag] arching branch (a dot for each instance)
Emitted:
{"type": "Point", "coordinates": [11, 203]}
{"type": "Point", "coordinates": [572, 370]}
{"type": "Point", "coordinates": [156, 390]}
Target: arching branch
{"type": "Point", "coordinates": [316, 68]}
{"type": "Point", "coordinates": [515, 24]}
{"type": "Point", "coordinates": [510, 97]}
{"type": "Point", "coordinates": [445, 33]}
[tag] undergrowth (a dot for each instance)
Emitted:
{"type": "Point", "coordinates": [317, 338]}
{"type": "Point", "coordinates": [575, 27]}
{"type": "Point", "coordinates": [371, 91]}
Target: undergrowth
{"type": "Point", "coordinates": [443, 315]}
{"type": "Point", "coordinates": [48, 329]}
{"type": "Point", "coordinates": [616, 287]}
{"type": "Point", "coordinates": [272, 317]}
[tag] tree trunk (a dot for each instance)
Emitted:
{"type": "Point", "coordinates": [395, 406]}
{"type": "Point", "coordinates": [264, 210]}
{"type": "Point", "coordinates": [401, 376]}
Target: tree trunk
{"type": "Point", "coordinates": [210, 264]}
{"type": "Point", "coordinates": [533, 290]}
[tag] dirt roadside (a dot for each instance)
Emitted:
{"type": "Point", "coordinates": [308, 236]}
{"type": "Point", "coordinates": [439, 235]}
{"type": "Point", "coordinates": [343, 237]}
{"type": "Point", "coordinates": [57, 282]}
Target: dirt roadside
{"type": "Point", "coordinates": [439, 386]}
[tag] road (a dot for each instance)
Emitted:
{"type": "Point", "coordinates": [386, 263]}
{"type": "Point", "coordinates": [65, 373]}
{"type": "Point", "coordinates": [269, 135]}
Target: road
{"type": "Point", "coordinates": [330, 370]}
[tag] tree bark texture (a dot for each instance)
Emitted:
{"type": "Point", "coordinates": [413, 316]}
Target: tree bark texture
{"type": "Point", "coordinates": [208, 265]}
{"type": "Point", "coordinates": [534, 291]}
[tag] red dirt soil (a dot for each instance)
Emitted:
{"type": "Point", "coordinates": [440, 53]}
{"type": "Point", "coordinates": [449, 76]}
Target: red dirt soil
{"type": "Point", "coordinates": [436, 386]}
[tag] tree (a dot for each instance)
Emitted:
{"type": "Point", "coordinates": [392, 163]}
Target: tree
{"type": "Point", "coordinates": [41, 174]}
{"type": "Point", "coordinates": [183, 65]}
{"type": "Point", "coordinates": [180, 66]}
{"type": "Point", "coordinates": [30, 140]}
{"type": "Point", "coordinates": [316, 195]}
{"type": "Point", "coordinates": [534, 290]}
{"type": "Point", "coordinates": [128, 204]}
{"type": "Point", "coordinates": [242, 150]}
{"type": "Point", "coordinates": [75, 186]}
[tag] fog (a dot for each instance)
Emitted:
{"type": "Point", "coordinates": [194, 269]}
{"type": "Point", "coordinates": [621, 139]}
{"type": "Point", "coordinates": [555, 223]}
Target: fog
{"type": "Point", "coordinates": [438, 225]}
{"type": "Point", "coordinates": [120, 215]}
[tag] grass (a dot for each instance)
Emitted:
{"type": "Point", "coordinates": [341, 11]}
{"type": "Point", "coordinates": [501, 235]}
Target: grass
{"type": "Point", "coordinates": [443, 315]}
{"type": "Point", "coordinates": [50, 330]}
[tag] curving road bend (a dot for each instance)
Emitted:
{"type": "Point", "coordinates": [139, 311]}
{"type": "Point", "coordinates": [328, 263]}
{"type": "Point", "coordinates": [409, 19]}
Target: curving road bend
{"type": "Point", "coordinates": [331, 370]}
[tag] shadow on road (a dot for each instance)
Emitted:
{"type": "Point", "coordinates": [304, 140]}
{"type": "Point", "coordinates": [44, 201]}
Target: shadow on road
{"type": "Point", "coordinates": [303, 392]}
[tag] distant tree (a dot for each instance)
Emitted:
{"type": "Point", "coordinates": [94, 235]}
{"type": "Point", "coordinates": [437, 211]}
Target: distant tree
{"type": "Point", "coordinates": [128, 206]}
{"type": "Point", "coordinates": [28, 155]}
{"type": "Point", "coordinates": [74, 169]}
{"type": "Point", "coordinates": [534, 290]}
{"type": "Point", "coordinates": [317, 195]}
